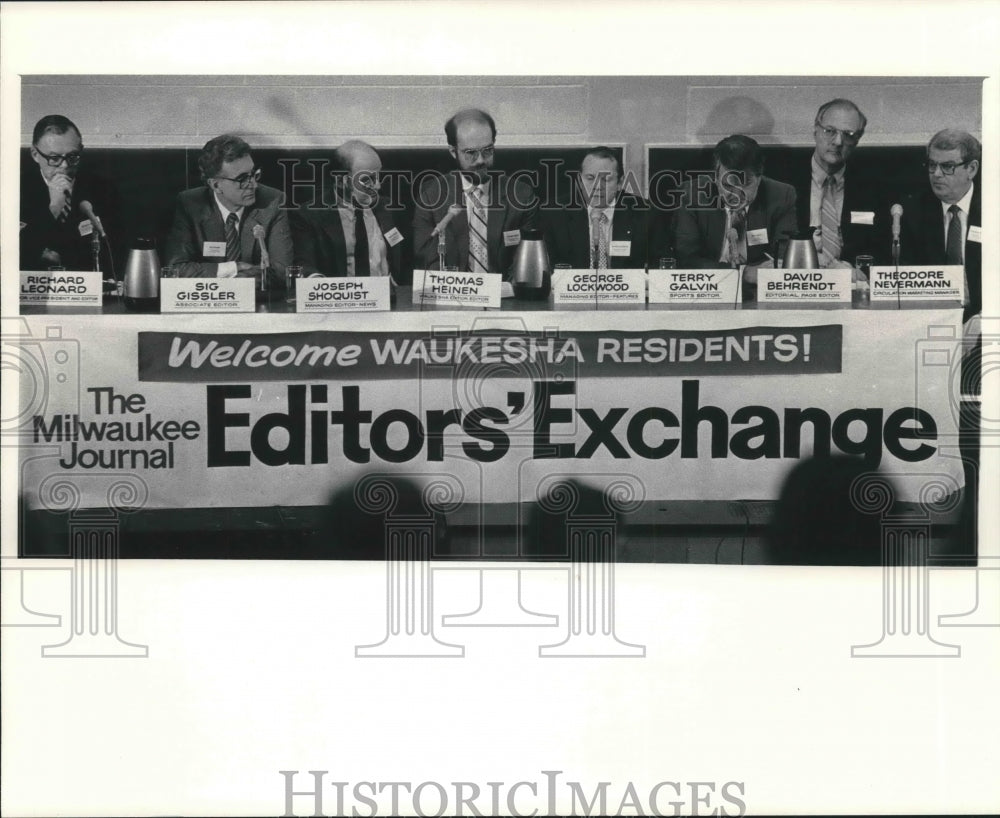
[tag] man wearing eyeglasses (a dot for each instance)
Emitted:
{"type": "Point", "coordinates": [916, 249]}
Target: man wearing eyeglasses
{"type": "Point", "coordinates": [358, 237]}
{"type": "Point", "coordinates": [212, 235]}
{"type": "Point", "coordinates": [54, 231]}
{"type": "Point", "coordinates": [485, 211]}
{"type": "Point", "coordinates": [842, 207]}
{"type": "Point", "coordinates": [943, 224]}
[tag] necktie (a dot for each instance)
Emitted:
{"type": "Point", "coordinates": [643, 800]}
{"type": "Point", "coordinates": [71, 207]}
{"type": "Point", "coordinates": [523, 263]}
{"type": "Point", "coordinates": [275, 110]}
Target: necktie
{"type": "Point", "coordinates": [600, 248]}
{"type": "Point", "coordinates": [829, 220]}
{"type": "Point", "coordinates": [232, 238]}
{"type": "Point", "coordinates": [478, 255]}
{"type": "Point", "coordinates": [737, 238]}
{"type": "Point", "coordinates": [362, 261]}
{"type": "Point", "coordinates": [954, 246]}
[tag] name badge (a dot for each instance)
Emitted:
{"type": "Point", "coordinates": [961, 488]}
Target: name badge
{"type": "Point", "coordinates": [393, 237]}
{"type": "Point", "coordinates": [214, 295]}
{"type": "Point", "coordinates": [815, 288]}
{"type": "Point", "coordinates": [915, 284]}
{"type": "Point", "coordinates": [213, 249]}
{"type": "Point", "coordinates": [511, 238]}
{"type": "Point", "coordinates": [621, 248]}
{"type": "Point", "coordinates": [85, 227]}
{"type": "Point", "coordinates": [975, 234]}
{"type": "Point", "coordinates": [862, 217]}
{"type": "Point", "coordinates": [755, 237]}
{"type": "Point", "coordinates": [62, 288]}
{"type": "Point", "coordinates": [455, 289]}
{"type": "Point", "coordinates": [362, 294]}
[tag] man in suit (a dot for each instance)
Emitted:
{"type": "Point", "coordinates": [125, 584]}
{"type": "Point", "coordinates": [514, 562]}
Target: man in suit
{"type": "Point", "coordinates": [842, 207]}
{"type": "Point", "coordinates": [213, 232]}
{"type": "Point", "coordinates": [55, 232]}
{"type": "Point", "coordinates": [357, 237]}
{"type": "Point", "coordinates": [486, 211]}
{"type": "Point", "coordinates": [610, 229]}
{"type": "Point", "coordinates": [943, 224]}
{"type": "Point", "coordinates": [739, 218]}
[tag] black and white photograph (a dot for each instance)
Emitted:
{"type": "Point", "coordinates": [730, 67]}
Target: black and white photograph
{"type": "Point", "coordinates": [465, 408]}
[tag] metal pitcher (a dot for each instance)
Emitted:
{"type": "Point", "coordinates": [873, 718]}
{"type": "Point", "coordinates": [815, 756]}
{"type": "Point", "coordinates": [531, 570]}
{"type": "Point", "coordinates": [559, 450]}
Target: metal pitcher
{"type": "Point", "coordinates": [531, 275]}
{"type": "Point", "coordinates": [800, 253]}
{"type": "Point", "coordinates": [142, 276]}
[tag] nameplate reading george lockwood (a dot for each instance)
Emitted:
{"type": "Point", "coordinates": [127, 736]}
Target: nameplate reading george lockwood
{"type": "Point", "coordinates": [456, 289]}
{"type": "Point", "coordinates": [213, 295]}
{"type": "Point", "coordinates": [364, 294]}
{"type": "Point", "coordinates": [618, 287]}
{"type": "Point", "coordinates": [62, 288]}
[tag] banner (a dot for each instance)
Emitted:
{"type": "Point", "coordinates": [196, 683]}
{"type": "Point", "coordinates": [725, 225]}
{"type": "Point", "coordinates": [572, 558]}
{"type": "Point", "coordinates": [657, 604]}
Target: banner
{"type": "Point", "coordinates": [697, 406]}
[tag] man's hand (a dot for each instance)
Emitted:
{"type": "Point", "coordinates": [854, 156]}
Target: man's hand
{"type": "Point", "coordinates": [51, 257]}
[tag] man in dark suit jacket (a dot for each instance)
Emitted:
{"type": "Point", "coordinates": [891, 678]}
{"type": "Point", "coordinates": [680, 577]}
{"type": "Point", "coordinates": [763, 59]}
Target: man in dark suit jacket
{"type": "Point", "coordinates": [326, 238]}
{"type": "Point", "coordinates": [741, 218]}
{"type": "Point", "coordinates": [571, 233]}
{"type": "Point", "coordinates": [212, 235]}
{"type": "Point", "coordinates": [54, 231]}
{"type": "Point", "coordinates": [856, 201]}
{"type": "Point", "coordinates": [506, 204]}
{"type": "Point", "coordinates": [926, 234]}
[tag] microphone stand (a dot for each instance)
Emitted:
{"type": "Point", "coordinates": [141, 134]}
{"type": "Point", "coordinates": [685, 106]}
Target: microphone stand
{"type": "Point", "coordinates": [95, 249]}
{"type": "Point", "coordinates": [895, 261]}
{"type": "Point", "coordinates": [441, 251]}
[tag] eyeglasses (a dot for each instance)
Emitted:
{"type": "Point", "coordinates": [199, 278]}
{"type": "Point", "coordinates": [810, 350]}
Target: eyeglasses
{"type": "Point", "coordinates": [56, 159]}
{"type": "Point", "coordinates": [847, 136]}
{"type": "Point", "coordinates": [947, 168]}
{"type": "Point", "coordinates": [244, 180]}
{"type": "Point", "coordinates": [472, 153]}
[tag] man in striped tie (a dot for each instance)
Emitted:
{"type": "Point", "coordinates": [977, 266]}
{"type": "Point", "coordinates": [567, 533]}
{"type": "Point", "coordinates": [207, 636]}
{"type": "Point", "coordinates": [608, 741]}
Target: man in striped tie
{"type": "Point", "coordinates": [54, 232]}
{"type": "Point", "coordinates": [485, 210]}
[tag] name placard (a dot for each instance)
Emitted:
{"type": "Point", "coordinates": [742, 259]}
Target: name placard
{"type": "Point", "coordinates": [213, 295]}
{"type": "Point", "coordinates": [697, 288]}
{"type": "Point", "coordinates": [941, 282]}
{"type": "Point", "coordinates": [804, 287]}
{"type": "Point", "coordinates": [63, 288]}
{"type": "Point", "coordinates": [365, 294]}
{"type": "Point", "coordinates": [619, 287]}
{"type": "Point", "coordinates": [453, 289]}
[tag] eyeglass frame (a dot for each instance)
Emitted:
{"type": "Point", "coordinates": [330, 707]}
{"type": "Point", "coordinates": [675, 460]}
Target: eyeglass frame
{"type": "Point", "coordinates": [244, 179]}
{"type": "Point", "coordinates": [848, 136]}
{"type": "Point", "coordinates": [60, 157]}
{"type": "Point", "coordinates": [471, 154]}
{"type": "Point", "coordinates": [941, 166]}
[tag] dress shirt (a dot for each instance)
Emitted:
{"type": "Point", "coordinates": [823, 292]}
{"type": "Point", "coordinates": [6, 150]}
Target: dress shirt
{"type": "Point", "coordinates": [816, 193]}
{"type": "Point", "coordinates": [229, 269]}
{"type": "Point", "coordinates": [609, 212]}
{"type": "Point", "coordinates": [378, 258]}
{"type": "Point", "coordinates": [483, 192]}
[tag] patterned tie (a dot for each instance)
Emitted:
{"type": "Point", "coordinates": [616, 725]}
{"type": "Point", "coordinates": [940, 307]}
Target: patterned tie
{"type": "Point", "coordinates": [599, 254]}
{"type": "Point", "coordinates": [737, 238]}
{"type": "Point", "coordinates": [478, 255]}
{"type": "Point", "coordinates": [362, 261]}
{"type": "Point", "coordinates": [829, 220]}
{"type": "Point", "coordinates": [232, 237]}
{"type": "Point", "coordinates": [953, 251]}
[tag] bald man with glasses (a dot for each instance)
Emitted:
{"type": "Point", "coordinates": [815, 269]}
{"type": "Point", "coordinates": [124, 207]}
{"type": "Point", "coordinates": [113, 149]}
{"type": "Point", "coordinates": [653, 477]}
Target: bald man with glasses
{"type": "Point", "coordinates": [54, 231]}
{"type": "Point", "coordinates": [212, 235]}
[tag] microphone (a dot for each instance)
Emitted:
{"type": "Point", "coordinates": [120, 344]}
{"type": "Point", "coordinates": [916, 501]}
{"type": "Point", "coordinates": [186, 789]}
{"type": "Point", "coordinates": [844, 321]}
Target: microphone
{"type": "Point", "coordinates": [453, 211]}
{"type": "Point", "coordinates": [87, 209]}
{"type": "Point", "coordinates": [258, 233]}
{"type": "Point", "coordinates": [896, 211]}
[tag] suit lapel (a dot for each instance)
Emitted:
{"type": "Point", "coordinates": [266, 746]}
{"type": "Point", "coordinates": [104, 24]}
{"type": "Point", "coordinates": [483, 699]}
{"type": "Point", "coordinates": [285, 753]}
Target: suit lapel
{"type": "Point", "coordinates": [212, 228]}
{"type": "Point", "coordinates": [333, 233]}
{"type": "Point", "coordinates": [495, 213]}
{"type": "Point", "coordinates": [458, 229]}
{"type": "Point", "coordinates": [386, 225]}
{"type": "Point", "coordinates": [579, 238]}
{"type": "Point", "coordinates": [251, 218]}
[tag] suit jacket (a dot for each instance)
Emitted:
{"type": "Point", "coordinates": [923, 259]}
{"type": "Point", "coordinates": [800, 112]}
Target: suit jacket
{"type": "Point", "coordinates": [320, 245]}
{"type": "Point", "coordinates": [41, 231]}
{"type": "Point", "coordinates": [513, 206]}
{"type": "Point", "coordinates": [567, 234]}
{"type": "Point", "coordinates": [922, 239]}
{"type": "Point", "coordinates": [860, 195]}
{"type": "Point", "coordinates": [197, 219]}
{"type": "Point", "coordinates": [699, 230]}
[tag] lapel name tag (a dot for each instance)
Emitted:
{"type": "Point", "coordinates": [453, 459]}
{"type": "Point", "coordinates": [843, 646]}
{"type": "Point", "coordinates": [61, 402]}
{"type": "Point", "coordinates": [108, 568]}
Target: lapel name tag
{"type": "Point", "coordinates": [975, 233]}
{"type": "Point", "coordinates": [943, 282]}
{"type": "Point", "coordinates": [862, 217]}
{"type": "Point", "coordinates": [213, 249]}
{"type": "Point", "coordinates": [63, 288]}
{"type": "Point", "coordinates": [583, 287]}
{"type": "Point", "coordinates": [85, 227]}
{"type": "Point", "coordinates": [215, 295]}
{"type": "Point", "coordinates": [755, 237]}
{"type": "Point", "coordinates": [511, 238]}
{"type": "Point", "coordinates": [361, 294]}
{"type": "Point", "coordinates": [393, 237]}
{"type": "Point", "coordinates": [696, 288]}
{"type": "Point", "coordinates": [456, 289]}
{"type": "Point", "coordinates": [621, 248]}
{"type": "Point", "coordinates": [812, 288]}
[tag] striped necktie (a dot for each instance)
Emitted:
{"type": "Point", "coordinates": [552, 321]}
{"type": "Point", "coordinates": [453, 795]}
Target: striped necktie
{"type": "Point", "coordinates": [479, 261]}
{"type": "Point", "coordinates": [829, 219]}
{"type": "Point", "coordinates": [737, 238]}
{"type": "Point", "coordinates": [232, 237]}
{"type": "Point", "coordinates": [599, 253]}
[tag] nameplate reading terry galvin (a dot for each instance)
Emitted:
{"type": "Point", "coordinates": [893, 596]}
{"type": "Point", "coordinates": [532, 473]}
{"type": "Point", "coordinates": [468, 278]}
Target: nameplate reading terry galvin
{"type": "Point", "coordinates": [456, 289]}
{"type": "Point", "coordinates": [213, 295]}
{"type": "Point", "coordinates": [62, 288]}
{"type": "Point", "coordinates": [618, 287]}
{"type": "Point", "coordinates": [930, 282]}
{"type": "Point", "coordinates": [804, 287]}
{"type": "Point", "coordinates": [365, 294]}
{"type": "Point", "coordinates": [697, 288]}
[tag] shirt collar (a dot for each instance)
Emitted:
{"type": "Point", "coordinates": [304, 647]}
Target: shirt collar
{"type": "Point", "coordinates": [225, 211]}
{"type": "Point", "coordinates": [819, 175]}
{"type": "Point", "coordinates": [468, 186]}
{"type": "Point", "coordinates": [965, 202]}
{"type": "Point", "coordinates": [608, 211]}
